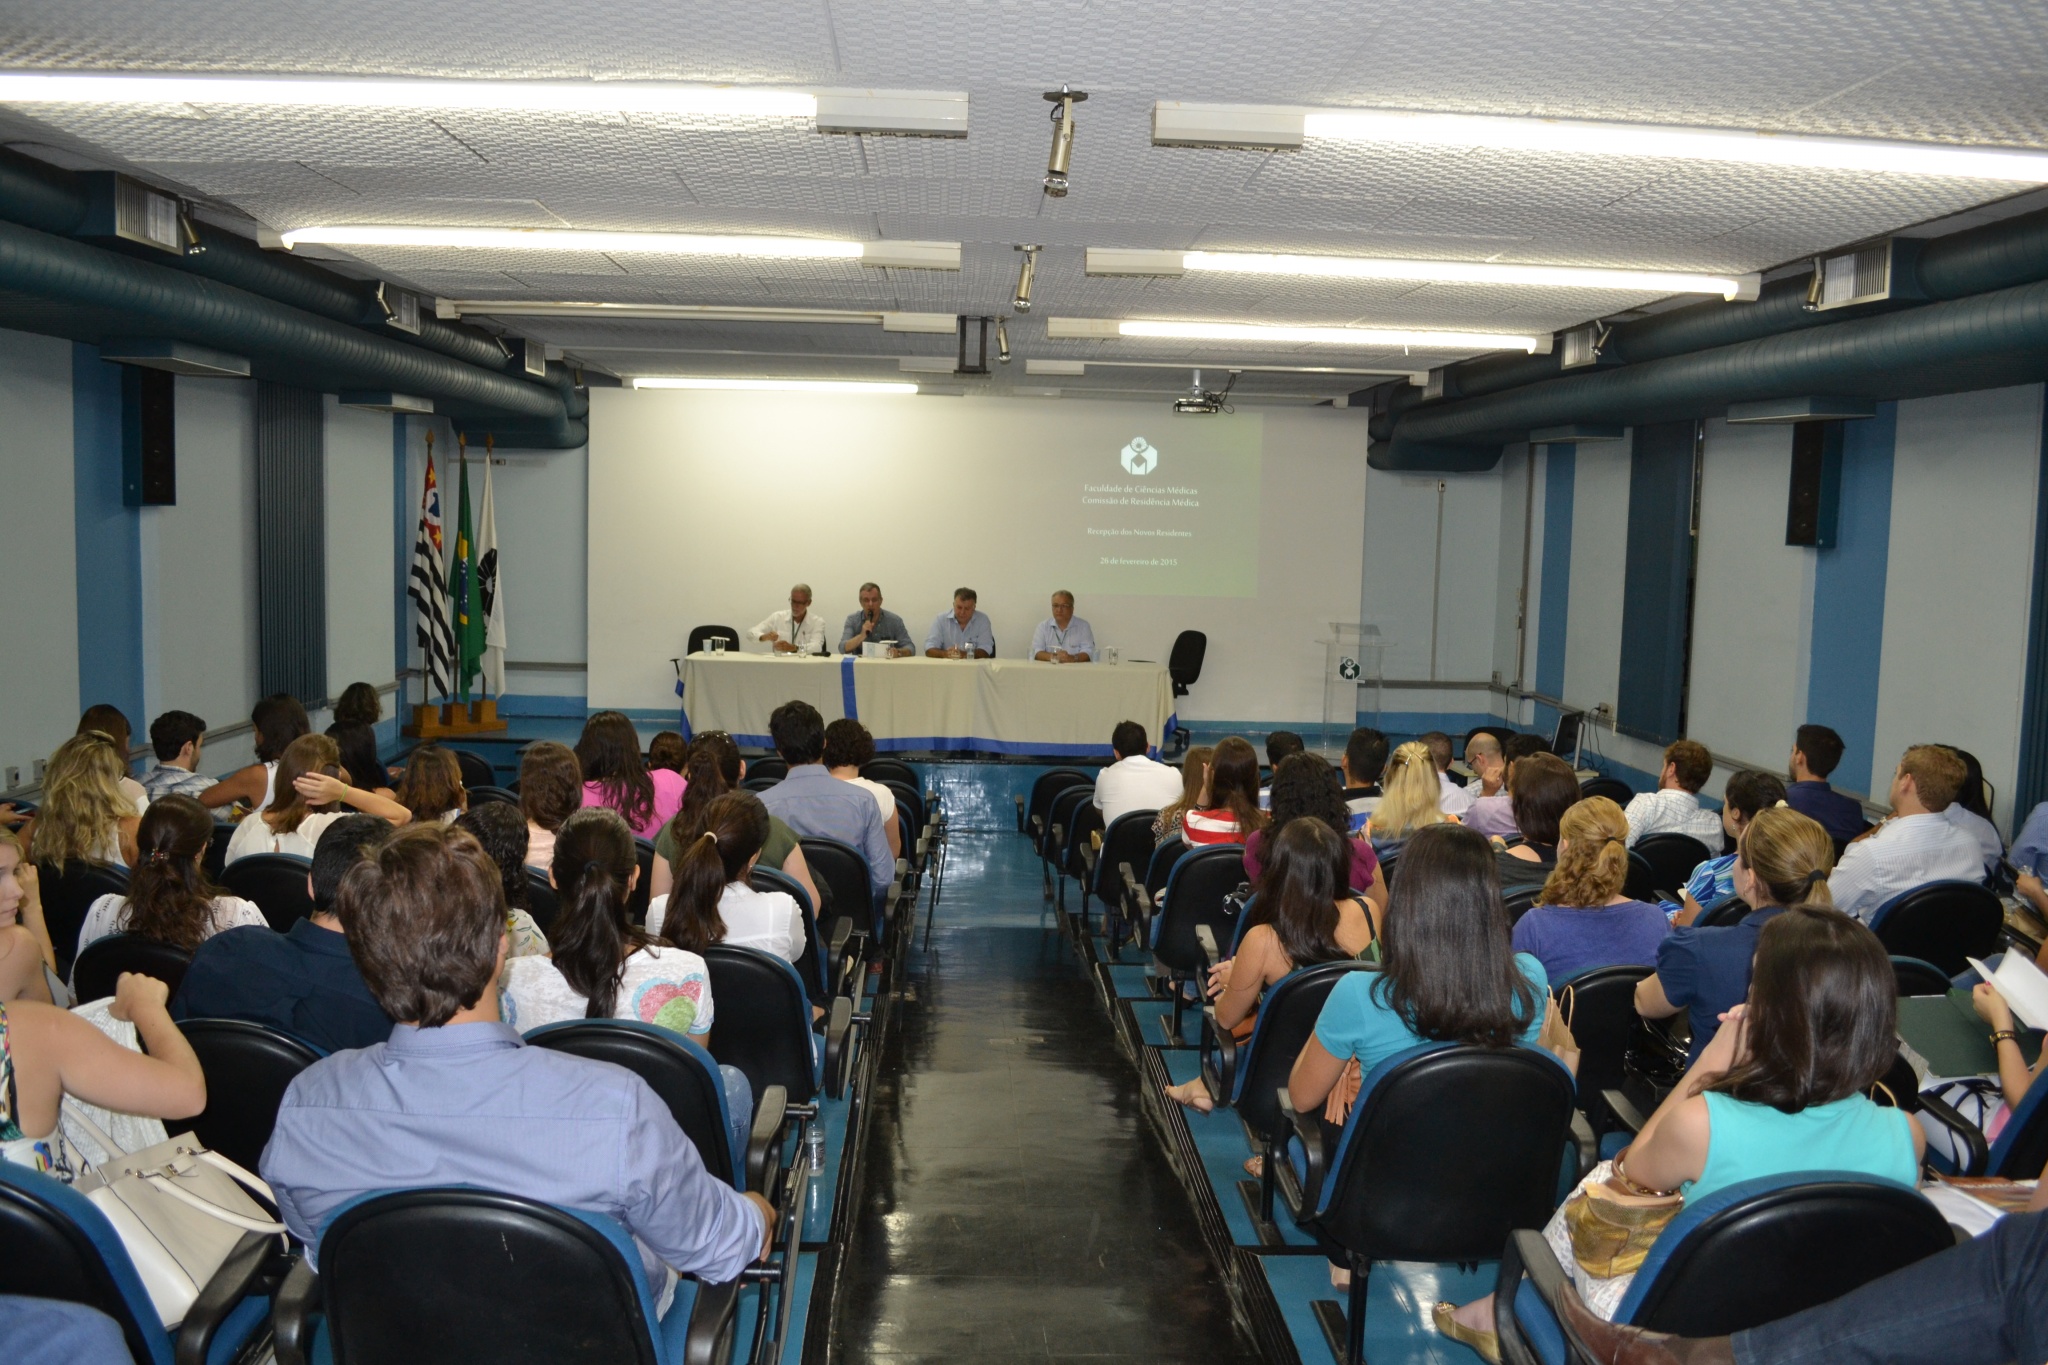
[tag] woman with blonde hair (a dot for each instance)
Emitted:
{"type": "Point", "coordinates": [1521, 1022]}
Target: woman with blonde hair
{"type": "Point", "coordinates": [310, 796]}
{"type": "Point", "coordinates": [1582, 920]}
{"type": "Point", "coordinates": [1194, 775]}
{"type": "Point", "coordinates": [1410, 799]}
{"type": "Point", "coordinates": [25, 949]}
{"type": "Point", "coordinates": [85, 814]}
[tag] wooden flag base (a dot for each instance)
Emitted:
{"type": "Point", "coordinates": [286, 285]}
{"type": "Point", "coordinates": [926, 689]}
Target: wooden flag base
{"type": "Point", "coordinates": [454, 718]}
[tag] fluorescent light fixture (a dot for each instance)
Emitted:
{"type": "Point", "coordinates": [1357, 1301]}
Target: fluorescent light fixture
{"type": "Point", "coordinates": [893, 113]}
{"type": "Point", "coordinates": [1071, 368]}
{"type": "Point", "coordinates": [775, 385]}
{"type": "Point", "coordinates": [1408, 338]}
{"type": "Point", "coordinates": [904, 255]}
{"type": "Point", "coordinates": [364, 92]}
{"type": "Point", "coordinates": [1125, 261]}
{"type": "Point", "coordinates": [928, 324]}
{"type": "Point", "coordinates": [1265, 127]}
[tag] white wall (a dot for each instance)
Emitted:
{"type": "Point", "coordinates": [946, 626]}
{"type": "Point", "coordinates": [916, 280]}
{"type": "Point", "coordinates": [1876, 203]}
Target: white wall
{"type": "Point", "coordinates": [38, 551]}
{"type": "Point", "coordinates": [359, 547]}
{"type": "Point", "coordinates": [543, 537]}
{"type": "Point", "coordinates": [1599, 563]}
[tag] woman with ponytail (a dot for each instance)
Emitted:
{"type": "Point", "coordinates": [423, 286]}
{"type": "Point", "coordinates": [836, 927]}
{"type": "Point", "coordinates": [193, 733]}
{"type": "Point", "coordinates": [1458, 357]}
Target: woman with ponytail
{"type": "Point", "coordinates": [1782, 860]}
{"type": "Point", "coordinates": [1582, 920]}
{"type": "Point", "coordinates": [712, 902]}
{"type": "Point", "coordinates": [169, 898]}
{"type": "Point", "coordinates": [713, 768]}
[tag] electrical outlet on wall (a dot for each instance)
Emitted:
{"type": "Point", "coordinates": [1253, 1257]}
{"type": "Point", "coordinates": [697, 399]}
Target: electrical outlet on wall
{"type": "Point", "coordinates": [13, 778]}
{"type": "Point", "coordinates": [1603, 714]}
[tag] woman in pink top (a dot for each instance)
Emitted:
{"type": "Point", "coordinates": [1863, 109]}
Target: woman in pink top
{"type": "Point", "coordinates": [616, 776]}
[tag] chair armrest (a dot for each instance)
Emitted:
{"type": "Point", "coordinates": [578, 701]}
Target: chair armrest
{"type": "Point", "coordinates": [298, 1299]}
{"type": "Point", "coordinates": [1206, 937]}
{"type": "Point", "coordinates": [1311, 1134]}
{"type": "Point", "coordinates": [1020, 809]}
{"type": "Point", "coordinates": [849, 946]}
{"type": "Point", "coordinates": [1625, 1113]}
{"type": "Point", "coordinates": [842, 932]}
{"type": "Point", "coordinates": [838, 1049]}
{"type": "Point", "coordinates": [771, 1113]}
{"type": "Point", "coordinates": [1588, 1143]}
{"type": "Point", "coordinates": [711, 1322]}
{"type": "Point", "coordinates": [228, 1287]}
{"type": "Point", "coordinates": [1226, 1054]}
{"type": "Point", "coordinates": [1966, 1133]}
{"type": "Point", "coordinates": [1527, 1259]}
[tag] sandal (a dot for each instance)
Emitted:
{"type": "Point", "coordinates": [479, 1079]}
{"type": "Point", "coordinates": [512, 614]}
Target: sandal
{"type": "Point", "coordinates": [1487, 1344]}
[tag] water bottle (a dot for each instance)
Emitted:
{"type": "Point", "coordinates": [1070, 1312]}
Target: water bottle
{"type": "Point", "coordinates": [814, 1149]}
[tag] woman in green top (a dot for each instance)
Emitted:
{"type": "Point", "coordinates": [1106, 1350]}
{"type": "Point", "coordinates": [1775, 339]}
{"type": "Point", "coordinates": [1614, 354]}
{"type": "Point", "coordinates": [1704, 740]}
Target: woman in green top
{"type": "Point", "coordinates": [714, 768]}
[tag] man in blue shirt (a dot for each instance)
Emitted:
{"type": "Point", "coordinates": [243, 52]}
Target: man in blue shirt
{"type": "Point", "coordinates": [1815, 751]}
{"type": "Point", "coordinates": [304, 982]}
{"type": "Point", "coordinates": [1063, 639]}
{"type": "Point", "coordinates": [871, 625]}
{"type": "Point", "coordinates": [455, 1097]}
{"type": "Point", "coordinates": [962, 633]}
{"type": "Point", "coordinates": [811, 801]}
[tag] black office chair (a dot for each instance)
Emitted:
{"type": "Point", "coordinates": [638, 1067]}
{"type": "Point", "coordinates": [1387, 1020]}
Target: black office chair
{"type": "Point", "coordinates": [1731, 911]}
{"type": "Point", "coordinates": [68, 894]}
{"type": "Point", "coordinates": [1143, 896]}
{"type": "Point", "coordinates": [216, 857]}
{"type": "Point", "coordinates": [889, 770]}
{"type": "Point", "coordinates": [771, 766]}
{"type": "Point", "coordinates": [1672, 859]}
{"type": "Point", "coordinates": [1084, 822]}
{"type": "Point", "coordinates": [542, 900]}
{"type": "Point", "coordinates": [759, 783]}
{"type": "Point", "coordinates": [826, 969]}
{"type": "Point", "coordinates": [1641, 882]}
{"type": "Point", "coordinates": [840, 873]}
{"type": "Point", "coordinates": [1613, 788]}
{"type": "Point", "coordinates": [1942, 923]}
{"type": "Point", "coordinates": [1126, 849]}
{"type": "Point", "coordinates": [277, 882]}
{"type": "Point", "coordinates": [1184, 664]}
{"type": "Point", "coordinates": [476, 769]}
{"type": "Point", "coordinates": [1519, 901]}
{"type": "Point", "coordinates": [701, 636]}
{"type": "Point", "coordinates": [1196, 896]}
{"type": "Point", "coordinates": [643, 890]}
{"type": "Point", "coordinates": [1751, 1253]}
{"type": "Point", "coordinates": [1919, 978]}
{"type": "Point", "coordinates": [462, 1276]}
{"type": "Point", "coordinates": [1599, 1005]}
{"type": "Point", "coordinates": [248, 1067]}
{"type": "Point", "coordinates": [97, 969]}
{"type": "Point", "coordinates": [764, 1025]}
{"type": "Point", "coordinates": [1448, 1150]}
{"type": "Point", "coordinates": [483, 795]}
{"type": "Point", "coordinates": [1031, 811]}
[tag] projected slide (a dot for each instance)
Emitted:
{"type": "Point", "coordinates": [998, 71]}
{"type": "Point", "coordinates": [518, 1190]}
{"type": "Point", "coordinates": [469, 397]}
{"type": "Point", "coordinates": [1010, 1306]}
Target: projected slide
{"type": "Point", "coordinates": [1171, 509]}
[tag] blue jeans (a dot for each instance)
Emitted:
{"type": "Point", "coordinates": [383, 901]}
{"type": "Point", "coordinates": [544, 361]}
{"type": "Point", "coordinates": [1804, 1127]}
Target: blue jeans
{"type": "Point", "coordinates": [1983, 1303]}
{"type": "Point", "coordinates": [739, 1109]}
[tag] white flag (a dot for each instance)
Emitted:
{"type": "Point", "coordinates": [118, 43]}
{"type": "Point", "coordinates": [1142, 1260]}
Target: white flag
{"type": "Point", "coordinates": [491, 591]}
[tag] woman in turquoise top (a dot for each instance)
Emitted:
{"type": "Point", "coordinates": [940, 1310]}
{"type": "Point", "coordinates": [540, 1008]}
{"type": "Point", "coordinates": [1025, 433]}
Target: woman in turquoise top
{"type": "Point", "coordinates": [1450, 975]}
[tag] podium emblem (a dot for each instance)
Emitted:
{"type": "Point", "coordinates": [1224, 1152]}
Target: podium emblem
{"type": "Point", "coordinates": [1139, 457]}
{"type": "Point", "coordinates": [1347, 669]}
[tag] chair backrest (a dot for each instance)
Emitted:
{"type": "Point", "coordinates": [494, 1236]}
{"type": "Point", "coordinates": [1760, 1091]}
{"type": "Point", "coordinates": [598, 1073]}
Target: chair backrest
{"type": "Point", "coordinates": [1641, 883]}
{"type": "Point", "coordinates": [764, 1020]}
{"type": "Point", "coordinates": [1919, 978]}
{"type": "Point", "coordinates": [471, 1277]}
{"type": "Point", "coordinates": [1448, 1149]}
{"type": "Point", "coordinates": [1731, 911]}
{"type": "Point", "coordinates": [771, 765]}
{"type": "Point", "coordinates": [1165, 854]}
{"type": "Point", "coordinates": [840, 873]}
{"type": "Point", "coordinates": [906, 794]}
{"type": "Point", "coordinates": [811, 966]}
{"type": "Point", "coordinates": [483, 794]}
{"type": "Point", "coordinates": [2021, 1151]}
{"type": "Point", "coordinates": [1613, 788]}
{"type": "Point", "coordinates": [643, 890]}
{"type": "Point", "coordinates": [1083, 823]}
{"type": "Point", "coordinates": [58, 1245]}
{"type": "Point", "coordinates": [1942, 923]}
{"type": "Point", "coordinates": [543, 902]}
{"type": "Point", "coordinates": [1048, 786]}
{"type": "Point", "coordinates": [97, 969]}
{"type": "Point", "coordinates": [1287, 1016]}
{"type": "Point", "coordinates": [1059, 819]}
{"type": "Point", "coordinates": [68, 894]}
{"type": "Point", "coordinates": [1195, 896]}
{"type": "Point", "coordinates": [889, 770]}
{"type": "Point", "coordinates": [248, 1067]}
{"type": "Point", "coordinates": [1184, 664]}
{"type": "Point", "coordinates": [758, 783]}
{"type": "Point", "coordinates": [1761, 1250]}
{"type": "Point", "coordinates": [1127, 840]}
{"type": "Point", "coordinates": [476, 769]}
{"type": "Point", "coordinates": [1521, 900]}
{"type": "Point", "coordinates": [1672, 858]}
{"type": "Point", "coordinates": [677, 1070]}
{"type": "Point", "coordinates": [1600, 1007]}
{"type": "Point", "coordinates": [701, 635]}
{"type": "Point", "coordinates": [217, 850]}
{"type": "Point", "coordinates": [276, 882]}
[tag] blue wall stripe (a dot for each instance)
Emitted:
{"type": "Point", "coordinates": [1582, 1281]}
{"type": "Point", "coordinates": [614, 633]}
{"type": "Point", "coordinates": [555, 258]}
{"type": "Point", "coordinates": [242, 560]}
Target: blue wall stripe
{"type": "Point", "coordinates": [1554, 595]}
{"type": "Point", "coordinates": [109, 544]}
{"type": "Point", "coordinates": [1848, 599]}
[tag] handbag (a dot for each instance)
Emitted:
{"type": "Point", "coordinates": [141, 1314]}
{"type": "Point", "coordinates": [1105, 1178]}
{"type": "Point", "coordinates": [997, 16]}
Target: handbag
{"type": "Point", "coordinates": [179, 1209]}
{"type": "Point", "coordinates": [1556, 1035]}
{"type": "Point", "coordinates": [1613, 1228]}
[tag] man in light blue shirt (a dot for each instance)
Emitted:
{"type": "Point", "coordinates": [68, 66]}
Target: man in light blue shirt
{"type": "Point", "coordinates": [811, 801]}
{"type": "Point", "coordinates": [1065, 639]}
{"type": "Point", "coordinates": [456, 1098]}
{"type": "Point", "coordinates": [962, 633]}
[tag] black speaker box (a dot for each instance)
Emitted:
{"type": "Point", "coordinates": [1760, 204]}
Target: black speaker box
{"type": "Point", "coordinates": [149, 438]}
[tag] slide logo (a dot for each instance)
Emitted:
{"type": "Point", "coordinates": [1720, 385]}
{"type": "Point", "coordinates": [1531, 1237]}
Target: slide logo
{"type": "Point", "coordinates": [1139, 457]}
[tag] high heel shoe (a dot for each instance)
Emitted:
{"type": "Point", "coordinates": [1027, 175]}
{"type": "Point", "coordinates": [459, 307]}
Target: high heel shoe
{"type": "Point", "coordinates": [1487, 1344]}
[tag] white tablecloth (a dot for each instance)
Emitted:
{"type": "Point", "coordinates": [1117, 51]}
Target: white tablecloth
{"type": "Point", "coordinates": [989, 706]}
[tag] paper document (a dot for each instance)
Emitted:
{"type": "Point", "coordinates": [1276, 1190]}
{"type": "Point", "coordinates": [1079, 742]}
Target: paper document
{"type": "Point", "coordinates": [2021, 983]}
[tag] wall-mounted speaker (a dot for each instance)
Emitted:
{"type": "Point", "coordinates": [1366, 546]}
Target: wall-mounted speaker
{"type": "Point", "coordinates": [149, 437]}
{"type": "Point", "coordinates": [1816, 495]}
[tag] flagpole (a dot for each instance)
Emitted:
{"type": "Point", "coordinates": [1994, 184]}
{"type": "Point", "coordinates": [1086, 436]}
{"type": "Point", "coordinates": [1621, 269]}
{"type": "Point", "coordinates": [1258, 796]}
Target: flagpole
{"type": "Point", "coordinates": [426, 669]}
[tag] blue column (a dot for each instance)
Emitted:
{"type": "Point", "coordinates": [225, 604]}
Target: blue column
{"type": "Point", "coordinates": [1848, 599]}
{"type": "Point", "coordinates": [109, 541]}
{"type": "Point", "coordinates": [2032, 786]}
{"type": "Point", "coordinates": [1554, 596]}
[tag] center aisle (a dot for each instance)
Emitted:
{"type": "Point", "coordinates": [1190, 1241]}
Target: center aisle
{"type": "Point", "coordinates": [1017, 1206]}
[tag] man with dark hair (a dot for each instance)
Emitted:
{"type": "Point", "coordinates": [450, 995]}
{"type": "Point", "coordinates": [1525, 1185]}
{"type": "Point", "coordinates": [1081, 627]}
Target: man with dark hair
{"type": "Point", "coordinates": [872, 625]}
{"type": "Point", "coordinates": [1365, 758]}
{"type": "Point", "coordinates": [455, 1097]}
{"type": "Point", "coordinates": [811, 801]}
{"type": "Point", "coordinates": [962, 633]}
{"type": "Point", "coordinates": [1816, 750]}
{"type": "Point", "coordinates": [1452, 797]}
{"type": "Point", "coordinates": [1674, 808]}
{"type": "Point", "coordinates": [303, 982]}
{"type": "Point", "coordinates": [1280, 745]}
{"type": "Point", "coordinates": [849, 748]}
{"type": "Point", "coordinates": [1135, 781]}
{"type": "Point", "coordinates": [177, 737]}
{"type": "Point", "coordinates": [1915, 845]}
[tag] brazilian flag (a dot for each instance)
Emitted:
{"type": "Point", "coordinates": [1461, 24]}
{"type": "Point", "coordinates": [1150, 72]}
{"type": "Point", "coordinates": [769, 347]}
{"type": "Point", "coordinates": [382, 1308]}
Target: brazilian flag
{"type": "Point", "coordinates": [465, 600]}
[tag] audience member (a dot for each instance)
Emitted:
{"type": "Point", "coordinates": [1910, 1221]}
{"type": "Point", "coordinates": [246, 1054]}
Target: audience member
{"type": "Point", "coordinates": [501, 831]}
{"type": "Point", "coordinates": [849, 748]}
{"type": "Point", "coordinates": [962, 633]}
{"type": "Point", "coordinates": [1490, 809]}
{"type": "Point", "coordinates": [1228, 808]}
{"type": "Point", "coordinates": [110, 721]}
{"type": "Point", "coordinates": [47, 1053]}
{"type": "Point", "coordinates": [426, 920]}
{"type": "Point", "coordinates": [169, 897]}
{"type": "Point", "coordinates": [793, 630]}
{"type": "Point", "coordinates": [872, 625]}
{"type": "Point", "coordinates": [813, 803]}
{"type": "Point", "coordinates": [1194, 780]}
{"type": "Point", "coordinates": [1306, 787]}
{"type": "Point", "coordinates": [278, 720]}
{"type": "Point", "coordinates": [1279, 744]}
{"type": "Point", "coordinates": [668, 749]}
{"type": "Point", "coordinates": [1522, 746]}
{"type": "Point", "coordinates": [550, 791]}
{"type": "Point", "coordinates": [713, 769]}
{"type": "Point", "coordinates": [1452, 798]}
{"type": "Point", "coordinates": [1541, 788]}
{"type": "Point", "coordinates": [85, 815]}
{"type": "Point", "coordinates": [1970, 813]}
{"type": "Point", "coordinates": [310, 797]}
{"type": "Point", "coordinates": [2030, 846]}
{"type": "Point", "coordinates": [1062, 639]}
{"type": "Point", "coordinates": [1674, 808]}
{"type": "Point", "coordinates": [1582, 920]}
{"type": "Point", "coordinates": [1135, 780]}
{"type": "Point", "coordinates": [1816, 750]}
{"type": "Point", "coordinates": [360, 764]}
{"type": "Point", "coordinates": [26, 957]}
{"type": "Point", "coordinates": [1410, 799]}
{"type": "Point", "coordinates": [1780, 1091]}
{"type": "Point", "coordinates": [431, 786]}
{"type": "Point", "coordinates": [1990, 1112]}
{"type": "Point", "coordinates": [176, 737]}
{"type": "Point", "coordinates": [1363, 764]}
{"type": "Point", "coordinates": [1914, 845]}
{"type": "Point", "coordinates": [1712, 883]}
{"type": "Point", "coordinates": [712, 902]}
{"type": "Point", "coordinates": [1782, 860]}
{"type": "Point", "coordinates": [615, 777]}
{"type": "Point", "coordinates": [358, 704]}
{"type": "Point", "coordinates": [42, 1331]}
{"type": "Point", "coordinates": [303, 982]}
{"type": "Point", "coordinates": [1303, 915]}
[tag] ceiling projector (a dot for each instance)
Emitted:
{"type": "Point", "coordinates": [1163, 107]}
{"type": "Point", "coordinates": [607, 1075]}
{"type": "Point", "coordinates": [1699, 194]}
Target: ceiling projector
{"type": "Point", "coordinates": [1202, 402]}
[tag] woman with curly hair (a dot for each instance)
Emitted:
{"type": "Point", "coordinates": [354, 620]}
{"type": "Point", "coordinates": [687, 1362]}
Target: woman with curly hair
{"type": "Point", "coordinates": [169, 898]}
{"type": "Point", "coordinates": [85, 815]}
{"type": "Point", "coordinates": [1582, 920]}
{"type": "Point", "coordinates": [1306, 787]}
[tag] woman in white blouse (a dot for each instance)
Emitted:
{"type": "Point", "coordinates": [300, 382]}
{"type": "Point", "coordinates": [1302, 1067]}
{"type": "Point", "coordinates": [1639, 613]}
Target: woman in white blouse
{"type": "Point", "coordinates": [169, 898]}
{"type": "Point", "coordinates": [310, 797]}
{"type": "Point", "coordinates": [712, 902]}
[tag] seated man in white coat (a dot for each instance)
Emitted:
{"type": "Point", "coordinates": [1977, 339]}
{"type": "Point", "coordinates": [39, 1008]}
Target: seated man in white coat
{"type": "Point", "coordinates": [1065, 639]}
{"type": "Point", "coordinates": [1916, 844]}
{"type": "Point", "coordinates": [794, 630]}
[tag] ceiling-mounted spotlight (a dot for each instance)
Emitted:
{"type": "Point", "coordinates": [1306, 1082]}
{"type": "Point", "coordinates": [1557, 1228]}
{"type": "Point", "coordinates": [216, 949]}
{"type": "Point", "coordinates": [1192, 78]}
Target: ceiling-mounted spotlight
{"type": "Point", "coordinates": [1003, 340]}
{"type": "Point", "coordinates": [1021, 301]}
{"type": "Point", "coordinates": [1063, 101]}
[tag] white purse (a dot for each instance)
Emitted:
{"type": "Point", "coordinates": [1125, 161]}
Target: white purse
{"type": "Point", "coordinates": [178, 1208]}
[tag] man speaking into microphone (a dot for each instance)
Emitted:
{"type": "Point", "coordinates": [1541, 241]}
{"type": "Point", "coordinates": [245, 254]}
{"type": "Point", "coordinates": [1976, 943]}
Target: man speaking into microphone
{"type": "Point", "coordinates": [872, 625]}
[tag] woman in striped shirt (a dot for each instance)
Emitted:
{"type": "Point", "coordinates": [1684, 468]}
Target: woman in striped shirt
{"type": "Point", "coordinates": [1229, 809]}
